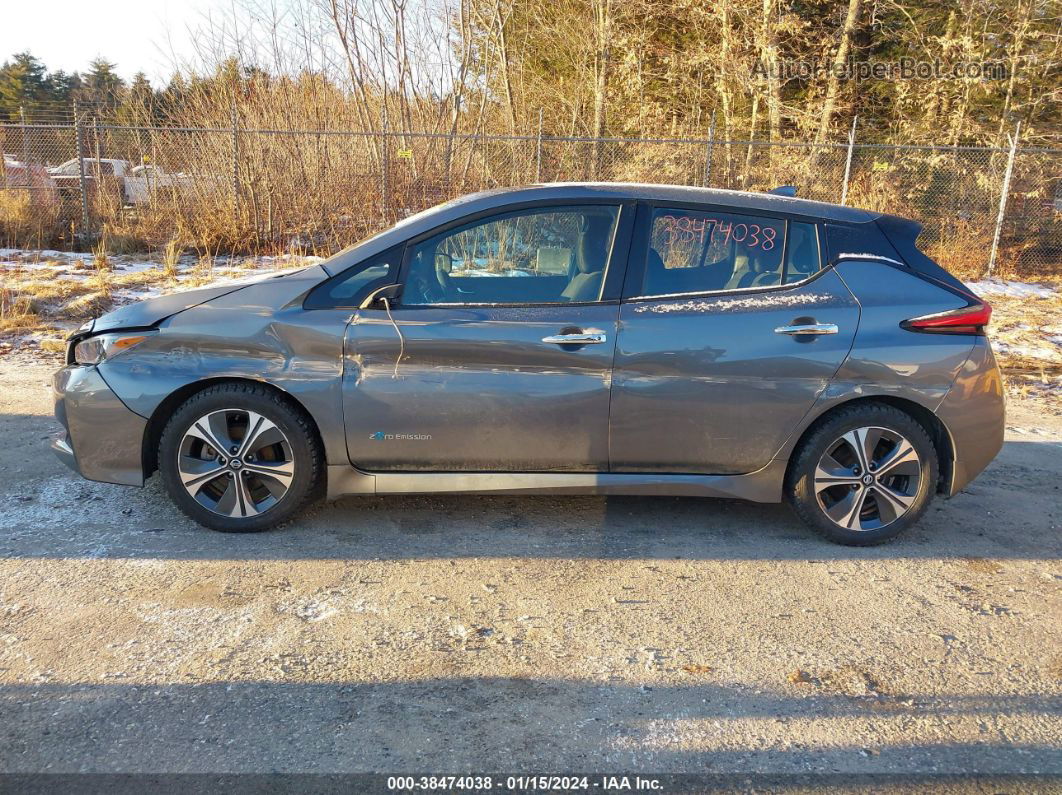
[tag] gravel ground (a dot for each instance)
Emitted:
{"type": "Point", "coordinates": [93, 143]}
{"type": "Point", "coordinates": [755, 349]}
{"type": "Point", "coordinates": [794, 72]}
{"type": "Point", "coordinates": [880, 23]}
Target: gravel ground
{"type": "Point", "coordinates": [457, 634]}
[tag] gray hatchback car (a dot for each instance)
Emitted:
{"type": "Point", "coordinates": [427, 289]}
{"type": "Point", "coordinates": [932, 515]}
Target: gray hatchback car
{"type": "Point", "coordinates": [567, 338]}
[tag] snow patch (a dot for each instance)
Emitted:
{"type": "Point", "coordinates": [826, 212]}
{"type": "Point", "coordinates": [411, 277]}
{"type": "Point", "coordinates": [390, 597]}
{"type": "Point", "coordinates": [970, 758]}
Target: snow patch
{"type": "Point", "coordinates": [44, 253]}
{"type": "Point", "coordinates": [871, 257]}
{"type": "Point", "coordinates": [1011, 289]}
{"type": "Point", "coordinates": [766, 301]}
{"type": "Point", "coordinates": [314, 610]}
{"type": "Point", "coordinates": [1027, 351]}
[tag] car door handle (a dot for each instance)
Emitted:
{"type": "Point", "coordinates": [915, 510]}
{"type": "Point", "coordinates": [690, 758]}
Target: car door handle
{"type": "Point", "coordinates": [808, 328]}
{"type": "Point", "coordinates": [582, 338]}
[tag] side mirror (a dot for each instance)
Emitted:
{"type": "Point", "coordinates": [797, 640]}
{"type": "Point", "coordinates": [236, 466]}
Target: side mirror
{"type": "Point", "coordinates": [375, 299]}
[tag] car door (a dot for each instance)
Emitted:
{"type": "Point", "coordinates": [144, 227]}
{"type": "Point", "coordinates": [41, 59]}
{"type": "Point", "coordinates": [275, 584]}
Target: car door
{"type": "Point", "coordinates": [496, 356]}
{"type": "Point", "coordinates": [729, 331]}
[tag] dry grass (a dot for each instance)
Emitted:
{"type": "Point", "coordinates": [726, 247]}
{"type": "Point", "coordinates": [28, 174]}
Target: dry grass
{"type": "Point", "coordinates": [171, 257]}
{"type": "Point", "coordinates": [956, 249]}
{"type": "Point", "coordinates": [1031, 363]}
{"type": "Point", "coordinates": [18, 312]}
{"type": "Point", "coordinates": [41, 295]}
{"type": "Point", "coordinates": [101, 256]}
{"type": "Point", "coordinates": [29, 222]}
{"type": "Point", "coordinates": [33, 300]}
{"type": "Point", "coordinates": [1012, 266]}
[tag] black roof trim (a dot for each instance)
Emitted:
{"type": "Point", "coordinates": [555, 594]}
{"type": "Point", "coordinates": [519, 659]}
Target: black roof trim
{"type": "Point", "coordinates": [745, 200]}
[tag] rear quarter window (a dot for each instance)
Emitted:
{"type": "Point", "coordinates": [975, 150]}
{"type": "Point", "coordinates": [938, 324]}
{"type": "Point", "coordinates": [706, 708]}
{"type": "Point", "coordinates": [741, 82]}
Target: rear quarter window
{"type": "Point", "coordinates": [858, 239]}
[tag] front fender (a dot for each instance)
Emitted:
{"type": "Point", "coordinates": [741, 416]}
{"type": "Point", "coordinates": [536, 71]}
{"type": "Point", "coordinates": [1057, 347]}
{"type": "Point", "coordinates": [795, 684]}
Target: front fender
{"type": "Point", "coordinates": [297, 352]}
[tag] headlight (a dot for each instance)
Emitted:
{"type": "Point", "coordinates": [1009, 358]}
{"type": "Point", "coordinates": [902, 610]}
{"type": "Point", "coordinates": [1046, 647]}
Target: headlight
{"type": "Point", "coordinates": [106, 346]}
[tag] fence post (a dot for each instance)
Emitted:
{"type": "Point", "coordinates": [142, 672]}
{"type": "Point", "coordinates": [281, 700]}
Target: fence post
{"type": "Point", "coordinates": [100, 149]}
{"type": "Point", "coordinates": [98, 155]}
{"type": "Point", "coordinates": [25, 140]}
{"type": "Point", "coordinates": [1003, 199]}
{"type": "Point", "coordinates": [80, 144]}
{"type": "Point", "coordinates": [538, 149]}
{"type": "Point", "coordinates": [708, 154]}
{"type": "Point", "coordinates": [26, 155]}
{"type": "Point", "coordinates": [848, 160]}
{"type": "Point", "coordinates": [385, 168]}
{"type": "Point", "coordinates": [235, 166]}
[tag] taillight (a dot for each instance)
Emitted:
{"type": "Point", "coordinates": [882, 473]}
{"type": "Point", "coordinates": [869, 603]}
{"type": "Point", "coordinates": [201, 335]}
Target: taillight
{"type": "Point", "coordinates": [965, 320]}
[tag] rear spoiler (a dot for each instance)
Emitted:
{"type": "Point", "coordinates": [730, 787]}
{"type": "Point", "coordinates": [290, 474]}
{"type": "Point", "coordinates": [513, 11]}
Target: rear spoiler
{"type": "Point", "coordinates": [903, 233]}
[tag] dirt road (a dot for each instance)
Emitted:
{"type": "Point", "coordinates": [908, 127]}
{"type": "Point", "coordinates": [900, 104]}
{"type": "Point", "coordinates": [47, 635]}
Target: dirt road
{"type": "Point", "coordinates": [451, 634]}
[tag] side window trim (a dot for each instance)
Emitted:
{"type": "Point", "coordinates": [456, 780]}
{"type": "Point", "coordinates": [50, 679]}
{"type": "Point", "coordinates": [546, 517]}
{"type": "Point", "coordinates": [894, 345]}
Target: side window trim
{"type": "Point", "coordinates": [787, 240]}
{"type": "Point", "coordinates": [639, 252]}
{"type": "Point", "coordinates": [735, 291]}
{"type": "Point", "coordinates": [618, 256]}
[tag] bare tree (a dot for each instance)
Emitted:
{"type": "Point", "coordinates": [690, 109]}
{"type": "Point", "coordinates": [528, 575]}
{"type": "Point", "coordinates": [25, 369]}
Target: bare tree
{"type": "Point", "coordinates": [837, 64]}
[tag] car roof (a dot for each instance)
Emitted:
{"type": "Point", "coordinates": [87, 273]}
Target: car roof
{"type": "Point", "coordinates": [94, 159]}
{"type": "Point", "coordinates": [575, 192]}
{"type": "Point", "coordinates": [736, 199]}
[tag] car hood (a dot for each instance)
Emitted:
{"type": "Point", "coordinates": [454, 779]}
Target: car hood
{"type": "Point", "coordinates": [154, 310]}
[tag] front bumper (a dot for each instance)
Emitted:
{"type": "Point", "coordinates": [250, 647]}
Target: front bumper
{"type": "Point", "coordinates": [102, 439]}
{"type": "Point", "coordinates": [63, 451]}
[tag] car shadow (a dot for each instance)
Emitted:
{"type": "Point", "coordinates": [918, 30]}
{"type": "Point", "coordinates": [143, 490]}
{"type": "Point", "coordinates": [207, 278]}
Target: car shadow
{"type": "Point", "coordinates": [467, 724]}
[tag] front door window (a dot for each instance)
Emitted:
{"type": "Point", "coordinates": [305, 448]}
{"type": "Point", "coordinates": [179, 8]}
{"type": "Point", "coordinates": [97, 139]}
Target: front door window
{"type": "Point", "coordinates": [540, 256]}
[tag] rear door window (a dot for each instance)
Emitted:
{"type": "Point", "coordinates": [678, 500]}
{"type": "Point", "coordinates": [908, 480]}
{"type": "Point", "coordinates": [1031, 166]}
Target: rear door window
{"type": "Point", "coordinates": [698, 251]}
{"type": "Point", "coordinates": [693, 251]}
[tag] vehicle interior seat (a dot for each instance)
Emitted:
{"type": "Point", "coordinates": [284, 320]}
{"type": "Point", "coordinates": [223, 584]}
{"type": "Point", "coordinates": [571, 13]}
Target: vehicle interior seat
{"type": "Point", "coordinates": [444, 263]}
{"type": "Point", "coordinates": [661, 280]}
{"type": "Point", "coordinates": [766, 276]}
{"type": "Point", "coordinates": [591, 252]}
{"type": "Point", "coordinates": [744, 272]}
{"type": "Point", "coordinates": [751, 270]}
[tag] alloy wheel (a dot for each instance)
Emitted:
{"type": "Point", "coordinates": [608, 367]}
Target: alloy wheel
{"type": "Point", "coordinates": [235, 462]}
{"type": "Point", "coordinates": [868, 478]}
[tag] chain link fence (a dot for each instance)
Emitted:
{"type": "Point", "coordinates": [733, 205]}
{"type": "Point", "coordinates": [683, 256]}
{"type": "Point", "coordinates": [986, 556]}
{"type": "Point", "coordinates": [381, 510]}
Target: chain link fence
{"type": "Point", "coordinates": [236, 189]}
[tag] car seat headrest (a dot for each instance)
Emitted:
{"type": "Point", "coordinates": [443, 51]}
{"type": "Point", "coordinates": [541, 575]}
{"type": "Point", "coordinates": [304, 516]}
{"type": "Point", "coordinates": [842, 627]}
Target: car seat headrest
{"type": "Point", "coordinates": [591, 251]}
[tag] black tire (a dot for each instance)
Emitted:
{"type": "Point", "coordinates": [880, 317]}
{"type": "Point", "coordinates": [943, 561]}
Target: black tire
{"type": "Point", "coordinates": [800, 486]}
{"type": "Point", "coordinates": [296, 426]}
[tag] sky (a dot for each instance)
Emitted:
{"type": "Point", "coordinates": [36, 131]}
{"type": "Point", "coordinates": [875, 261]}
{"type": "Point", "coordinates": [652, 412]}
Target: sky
{"type": "Point", "coordinates": [137, 35]}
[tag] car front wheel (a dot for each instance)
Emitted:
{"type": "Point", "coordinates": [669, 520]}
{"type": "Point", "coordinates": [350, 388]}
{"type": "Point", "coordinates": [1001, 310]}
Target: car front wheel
{"type": "Point", "coordinates": [239, 458]}
{"type": "Point", "coordinates": [864, 475]}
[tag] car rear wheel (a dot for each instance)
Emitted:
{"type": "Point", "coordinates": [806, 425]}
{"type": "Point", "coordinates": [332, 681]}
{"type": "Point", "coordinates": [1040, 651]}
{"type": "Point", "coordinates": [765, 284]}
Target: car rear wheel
{"type": "Point", "coordinates": [864, 475]}
{"type": "Point", "coordinates": [239, 458]}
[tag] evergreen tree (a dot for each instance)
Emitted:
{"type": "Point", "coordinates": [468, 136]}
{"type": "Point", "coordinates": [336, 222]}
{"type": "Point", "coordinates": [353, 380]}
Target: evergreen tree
{"type": "Point", "coordinates": [23, 84]}
{"type": "Point", "coordinates": [102, 86]}
{"type": "Point", "coordinates": [139, 105]}
{"type": "Point", "coordinates": [63, 87]}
